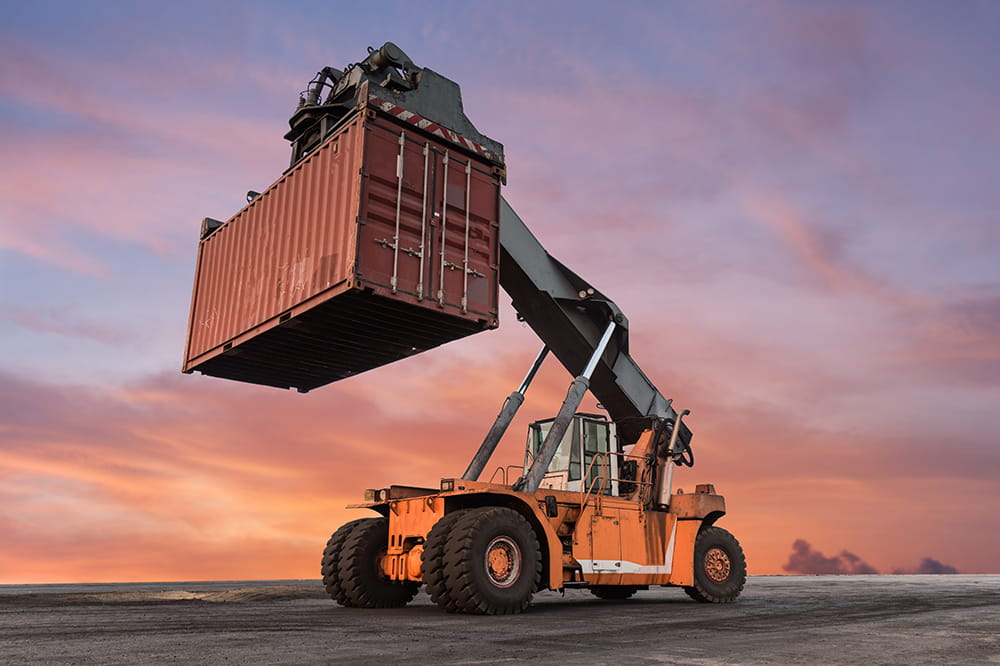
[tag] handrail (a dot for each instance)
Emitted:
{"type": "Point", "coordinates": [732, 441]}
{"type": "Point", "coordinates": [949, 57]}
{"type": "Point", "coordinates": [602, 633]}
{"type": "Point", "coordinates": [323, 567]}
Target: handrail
{"type": "Point", "coordinates": [604, 456]}
{"type": "Point", "coordinates": [505, 473]}
{"type": "Point", "coordinates": [590, 486]}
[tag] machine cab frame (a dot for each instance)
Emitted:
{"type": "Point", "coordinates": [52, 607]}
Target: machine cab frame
{"type": "Point", "coordinates": [588, 449]}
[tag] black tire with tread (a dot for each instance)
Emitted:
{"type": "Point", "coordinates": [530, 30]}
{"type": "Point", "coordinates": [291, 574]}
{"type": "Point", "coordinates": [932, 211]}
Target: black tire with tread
{"type": "Point", "coordinates": [432, 560]}
{"type": "Point", "coordinates": [613, 592]}
{"type": "Point", "coordinates": [361, 577]}
{"type": "Point", "coordinates": [468, 584]}
{"type": "Point", "coordinates": [330, 566]}
{"type": "Point", "coordinates": [707, 590]}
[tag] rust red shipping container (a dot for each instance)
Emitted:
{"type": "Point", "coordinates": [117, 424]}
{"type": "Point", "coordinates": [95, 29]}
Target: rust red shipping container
{"type": "Point", "coordinates": [380, 244]}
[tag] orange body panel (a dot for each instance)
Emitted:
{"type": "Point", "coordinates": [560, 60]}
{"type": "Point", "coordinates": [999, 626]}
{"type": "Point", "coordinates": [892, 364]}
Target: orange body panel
{"type": "Point", "coordinates": [617, 543]}
{"type": "Point", "coordinates": [409, 520]}
{"type": "Point", "coordinates": [593, 539]}
{"type": "Point", "coordinates": [683, 571]}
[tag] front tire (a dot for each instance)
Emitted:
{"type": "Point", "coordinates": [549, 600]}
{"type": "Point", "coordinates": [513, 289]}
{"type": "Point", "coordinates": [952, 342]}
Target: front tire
{"type": "Point", "coordinates": [492, 562]}
{"type": "Point", "coordinates": [720, 567]}
{"type": "Point", "coordinates": [360, 569]}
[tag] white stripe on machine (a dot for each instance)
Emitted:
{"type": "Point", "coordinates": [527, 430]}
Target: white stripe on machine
{"type": "Point", "coordinates": [622, 566]}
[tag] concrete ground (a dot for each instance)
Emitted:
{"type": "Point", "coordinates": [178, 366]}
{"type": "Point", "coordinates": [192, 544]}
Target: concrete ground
{"type": "Point", "coordinates": [779, 620]}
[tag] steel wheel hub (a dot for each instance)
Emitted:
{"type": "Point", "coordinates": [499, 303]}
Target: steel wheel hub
{"type": "Point", "coordinates": [503, 561]}
{"type": "Point", "coordinates": [717, 565]}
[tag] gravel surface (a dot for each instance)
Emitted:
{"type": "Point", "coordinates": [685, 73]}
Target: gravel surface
{"type": "Point", "coordinates": [778, 620]}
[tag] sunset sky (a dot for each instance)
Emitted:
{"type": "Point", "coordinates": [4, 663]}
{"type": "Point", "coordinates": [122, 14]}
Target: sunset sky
{"type": "Point", "coordinates": [796, 204]}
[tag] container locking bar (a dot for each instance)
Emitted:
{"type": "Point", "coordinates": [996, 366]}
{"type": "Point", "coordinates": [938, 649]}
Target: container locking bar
{"type": "Point", "coordinates": [465, 261]}
{"type": "Point", "coordinates": [394, 282]}
{"type": "Point", "coordinates": [529, 482]}
{"type": "Point", "coordinates": [444, 228]}
{"type": "Point", "coordinates": [423, 224]}
{"type": "Point", "coordinates": [504, 418]}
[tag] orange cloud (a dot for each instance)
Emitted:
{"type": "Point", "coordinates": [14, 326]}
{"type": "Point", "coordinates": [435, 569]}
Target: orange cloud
{"type": "Point", "coordinates": [185, 477]}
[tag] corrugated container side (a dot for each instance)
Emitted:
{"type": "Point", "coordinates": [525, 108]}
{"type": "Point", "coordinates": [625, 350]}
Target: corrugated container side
{"type": "Point", "coordinates": [286, 246]}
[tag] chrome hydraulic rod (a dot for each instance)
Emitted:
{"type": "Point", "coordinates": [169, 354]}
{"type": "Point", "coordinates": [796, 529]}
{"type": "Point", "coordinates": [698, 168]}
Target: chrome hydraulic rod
{"type": "Point", "coordinates": [503, 420]}
{"type": "Point", "coordinates": [667, 483]}
{"type": "Point", "coordinates": [533, 478]}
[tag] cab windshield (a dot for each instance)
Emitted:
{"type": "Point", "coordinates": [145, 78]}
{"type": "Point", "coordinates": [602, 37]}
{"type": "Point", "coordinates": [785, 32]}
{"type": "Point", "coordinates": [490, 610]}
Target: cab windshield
{"type": "Point", "coordinates": [588, 436]}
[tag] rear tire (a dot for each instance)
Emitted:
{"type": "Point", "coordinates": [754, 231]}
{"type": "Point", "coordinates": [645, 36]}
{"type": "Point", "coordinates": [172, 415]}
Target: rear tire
{"type": "Point", "coordinates": [364, 585]}
{"type": "Point", "coordinates": [492, 562]}
{"type": "Point", "coordinates": [613, 592]}
{"type": "Point", "coordinates": [330, 567]}
{"type": "Point", "coordinates": [720, 568]}
{"type": "Point", "coordinates": [432, 561]}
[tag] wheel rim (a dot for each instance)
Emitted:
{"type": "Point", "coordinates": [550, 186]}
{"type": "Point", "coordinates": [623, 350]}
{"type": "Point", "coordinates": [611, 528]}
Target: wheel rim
{"type": "Point", "coordinates": [717, 565]}
{"type": "Point", "coordinates": [503, 561]}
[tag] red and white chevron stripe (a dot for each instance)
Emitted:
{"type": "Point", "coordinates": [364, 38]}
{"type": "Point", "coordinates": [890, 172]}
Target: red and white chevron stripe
{"type": "Point", "coordinates": [435, 129]}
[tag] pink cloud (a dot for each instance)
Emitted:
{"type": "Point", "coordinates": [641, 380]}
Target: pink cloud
{"type": "Point", "coordinates": [820, 252]}
{"type": "Point", "coordinates": [131, 176]}
{"type": "Point", "coordinates": [59, 322]}
{"type": "Point", "coordinates": [44, 244]}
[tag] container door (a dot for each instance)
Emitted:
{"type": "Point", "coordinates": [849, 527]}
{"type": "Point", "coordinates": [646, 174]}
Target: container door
{"type": "Point", "coordinates": [399, 203]}
{"type": "Point", "coordinates": [464, 234]}
{"type": "Point", "coordinates": [430, 224]}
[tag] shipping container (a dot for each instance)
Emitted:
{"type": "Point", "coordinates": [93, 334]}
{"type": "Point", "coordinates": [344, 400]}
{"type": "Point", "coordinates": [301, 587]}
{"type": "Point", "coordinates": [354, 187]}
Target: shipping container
{"type": "Point", "coordinates": [383, 242]}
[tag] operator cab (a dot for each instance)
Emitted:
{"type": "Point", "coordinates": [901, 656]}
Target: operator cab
{"type": "Point", "coordinates": [588, 449]}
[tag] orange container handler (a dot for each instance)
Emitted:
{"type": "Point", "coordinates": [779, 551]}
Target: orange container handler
{"type": "Point", "coordinates": [381, 243]}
